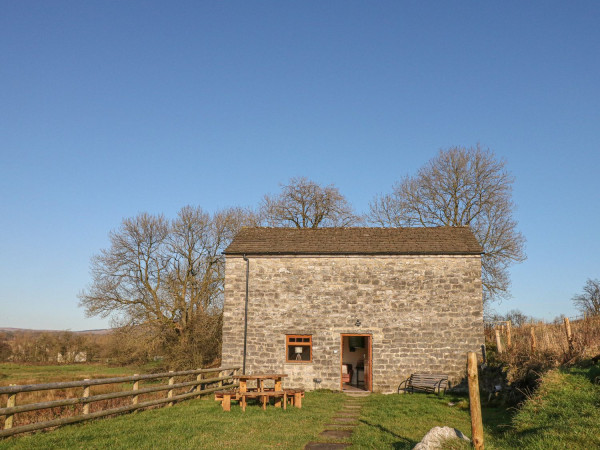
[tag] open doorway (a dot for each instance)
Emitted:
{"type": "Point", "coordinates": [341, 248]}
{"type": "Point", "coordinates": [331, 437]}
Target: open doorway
{"type": "Point", "coordinates": [355, 371]}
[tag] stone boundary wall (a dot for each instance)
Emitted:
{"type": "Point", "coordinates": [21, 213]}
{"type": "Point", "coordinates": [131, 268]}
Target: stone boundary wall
{"type": "Point", "coordinates": [424, 314]}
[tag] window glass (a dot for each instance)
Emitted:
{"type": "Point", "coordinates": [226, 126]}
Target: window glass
{"type": "Point", "coordinates": [299, 348]}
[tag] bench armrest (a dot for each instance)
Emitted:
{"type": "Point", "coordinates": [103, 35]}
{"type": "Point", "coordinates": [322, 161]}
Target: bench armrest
{"type": "Point", "coordinates": [444, 382]}
{"type": "Point", "coordinates": [406, 384]}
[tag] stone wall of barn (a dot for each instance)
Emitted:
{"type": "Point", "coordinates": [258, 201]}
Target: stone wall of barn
{"type": "Point", "coordinates": [424, 314]}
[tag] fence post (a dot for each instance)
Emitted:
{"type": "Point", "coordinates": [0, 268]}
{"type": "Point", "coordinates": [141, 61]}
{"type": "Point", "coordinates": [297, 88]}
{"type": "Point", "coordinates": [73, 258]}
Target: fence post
{"type": "Point", "coordinates": [568, 331]}
{"type": "Point", "coordinates": [136, 386]}
{"type": "Point", "coordinates": [170, 391]}
{"type": "Point", "coordinates": [220, 381]}
{"type": "Point", "coordinates": [498, 341]}
{"type": "Point", "coordinates": [12, 401]}
{"type": "Point", "coordinates": [508, 334]}
{"type": "Point", "coordinates": [86, 394]}
{"type": "Point", "coordinates": [199, 386]}
{"type": "Point", "coordinates": [474, 402]}
{"type": "Point", "coordinates": [533, 341]}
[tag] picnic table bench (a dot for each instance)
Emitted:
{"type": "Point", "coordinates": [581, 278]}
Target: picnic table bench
{"type": "Point", "coordinates": [427, 382]}
{"type": "Point", "coordinates": [225, 398]}
{"type": "Point", "coordinates": [294, 396]}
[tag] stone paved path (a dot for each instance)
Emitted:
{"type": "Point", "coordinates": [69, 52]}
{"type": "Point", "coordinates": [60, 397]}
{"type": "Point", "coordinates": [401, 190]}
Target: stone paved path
{"type": "Point", "coordinates": [337, 433]}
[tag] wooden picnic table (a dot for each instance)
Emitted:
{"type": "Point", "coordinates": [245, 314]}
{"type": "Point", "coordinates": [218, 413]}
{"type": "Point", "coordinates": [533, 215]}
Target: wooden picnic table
{"type": "Point", "coordinates": [243, 393]}
{"type": "Point", "coordinates": [260, 381]}
{"type": "Point", "coordinates": [260, 386]}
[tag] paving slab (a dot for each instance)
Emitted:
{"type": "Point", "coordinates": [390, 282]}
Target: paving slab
{"type": "Point", "coordinates": [344, 420]}
{"type": "Point", "coordinates": [337, 434]}
{"type": "Point", "coordinates": [325, 445]}
{"type": "Point", "coordinates": [341, 426]}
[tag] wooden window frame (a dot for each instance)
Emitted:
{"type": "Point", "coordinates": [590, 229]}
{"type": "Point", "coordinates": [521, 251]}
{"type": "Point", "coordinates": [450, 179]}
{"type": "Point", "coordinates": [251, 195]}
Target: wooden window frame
{"type": "Point", "coordinates": [289, 343]}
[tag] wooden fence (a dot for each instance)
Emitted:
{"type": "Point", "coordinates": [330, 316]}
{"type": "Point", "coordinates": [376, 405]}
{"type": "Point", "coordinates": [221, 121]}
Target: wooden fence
{"type": "Point", "coordinates": [576, 336]}
{"type": "Point", "coordinates": [200, 386]}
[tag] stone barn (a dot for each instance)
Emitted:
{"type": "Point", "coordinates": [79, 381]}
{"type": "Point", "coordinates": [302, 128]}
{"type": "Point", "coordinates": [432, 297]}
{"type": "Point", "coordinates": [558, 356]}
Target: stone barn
{"type": "Point", "coordinates": [352, 308]}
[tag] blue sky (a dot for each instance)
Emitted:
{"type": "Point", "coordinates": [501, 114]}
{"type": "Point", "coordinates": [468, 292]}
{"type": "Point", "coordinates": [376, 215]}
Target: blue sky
{"type": "Point", "coordinates": [108, 109]}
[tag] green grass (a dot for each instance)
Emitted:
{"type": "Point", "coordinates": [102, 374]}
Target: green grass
{"type": "Point", "coordinates": [195, 424]}
{"type": "Point", "coordinates": [401, 421]}
{"type": "Point", "coordinates": [563, 413]}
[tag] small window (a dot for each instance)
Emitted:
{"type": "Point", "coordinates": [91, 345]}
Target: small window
{"type": "Point", "coordinates": [298, 348]}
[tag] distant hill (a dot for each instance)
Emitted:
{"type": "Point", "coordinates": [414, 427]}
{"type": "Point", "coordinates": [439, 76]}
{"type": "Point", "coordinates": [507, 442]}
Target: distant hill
{"type": "Point", "coordinates": [29, 330]}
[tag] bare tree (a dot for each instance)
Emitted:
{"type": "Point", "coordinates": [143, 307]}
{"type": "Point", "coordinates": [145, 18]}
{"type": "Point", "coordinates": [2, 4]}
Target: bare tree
{"type": "Point", "coordinates": [461, 187]}
{"type": "Point", "coordinates": [164, 276]}
{"type": "Point", "coordinates": [517, 318]}
{"type": "Point", "coordinates": [303, 203]}
{"type": "Point", "coordinates": [589, 301]}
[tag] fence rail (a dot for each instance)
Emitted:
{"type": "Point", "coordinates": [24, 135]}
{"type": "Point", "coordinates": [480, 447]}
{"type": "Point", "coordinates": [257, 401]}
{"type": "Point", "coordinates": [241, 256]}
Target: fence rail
{"type": "Point", "coordinates": [199, 386]}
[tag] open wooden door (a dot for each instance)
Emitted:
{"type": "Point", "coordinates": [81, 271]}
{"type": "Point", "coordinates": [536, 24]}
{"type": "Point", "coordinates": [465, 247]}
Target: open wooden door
{"type": "Point", "coordinates": [368, 364]}
{"type": "Point", "coordinates": [358, 358]}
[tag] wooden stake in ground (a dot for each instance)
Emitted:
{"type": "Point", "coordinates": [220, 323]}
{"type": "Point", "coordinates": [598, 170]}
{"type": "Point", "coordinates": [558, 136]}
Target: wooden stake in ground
{"type": "Point", "coordinates": [498, 341]}
{"type": "Point", "coordinates": [474, 401]}
{"type": "Point", "coordinates": [136, 387]}
{"type": "Point", "coordinates": [508, 335]}
{"type": "Point", "coordinates": [12, 401]}
{"type": "Point", "coordinates": [569, 333]}
{"type": "Point", "coordinates": [170, 391]}
{"type": "Point", "coordinates": [533, 341]}
{"type": "Point", "coordinates": [86, 393]}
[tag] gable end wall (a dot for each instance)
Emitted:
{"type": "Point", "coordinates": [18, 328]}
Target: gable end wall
{"type": "Point", "coordinates": [424, 314]}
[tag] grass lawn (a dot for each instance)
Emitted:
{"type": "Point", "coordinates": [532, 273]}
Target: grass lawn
{"type": "Point", "coordinates": [401, 421]}
{"type": "Point", "coordinates": [564, 413]}
{"type": "Point", "coordinates": [387, 421]}
{"type": "Point", "coordinates": [195, 424]}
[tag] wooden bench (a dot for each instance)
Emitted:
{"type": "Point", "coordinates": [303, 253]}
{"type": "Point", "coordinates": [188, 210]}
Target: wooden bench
{"type": "Point", "coordinates": [225, 398]}
{"type": "Point", "coordinates": [264, 397]}
{"type": "Point", "coordinates": [427, 382]}
{"type": "Point", "coordinates": [295, 397]}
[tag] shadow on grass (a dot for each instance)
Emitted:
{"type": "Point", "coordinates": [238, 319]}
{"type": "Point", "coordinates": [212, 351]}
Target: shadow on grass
{"type": "Point", "coordinates": [404, 443]}
{"type": "Point", "coordinates": [587, 369]}
{"type": "Point", "coordinates": [518, 439]}
{"type": "Point", "coordinates": [497, 420]}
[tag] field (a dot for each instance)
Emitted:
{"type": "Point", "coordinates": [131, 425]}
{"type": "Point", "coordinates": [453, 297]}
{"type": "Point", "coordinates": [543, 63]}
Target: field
{"type": "Point", "coordinates": [30, 374]}
{"type": "Point", "coordinates": [34, 374]}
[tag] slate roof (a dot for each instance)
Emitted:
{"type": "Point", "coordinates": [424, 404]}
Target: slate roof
{"type": "Point", "coordinates": [355, 241]}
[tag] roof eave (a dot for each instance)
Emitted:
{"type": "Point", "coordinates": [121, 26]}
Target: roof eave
{"type": "Point", "coordinates": [253, 253]}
